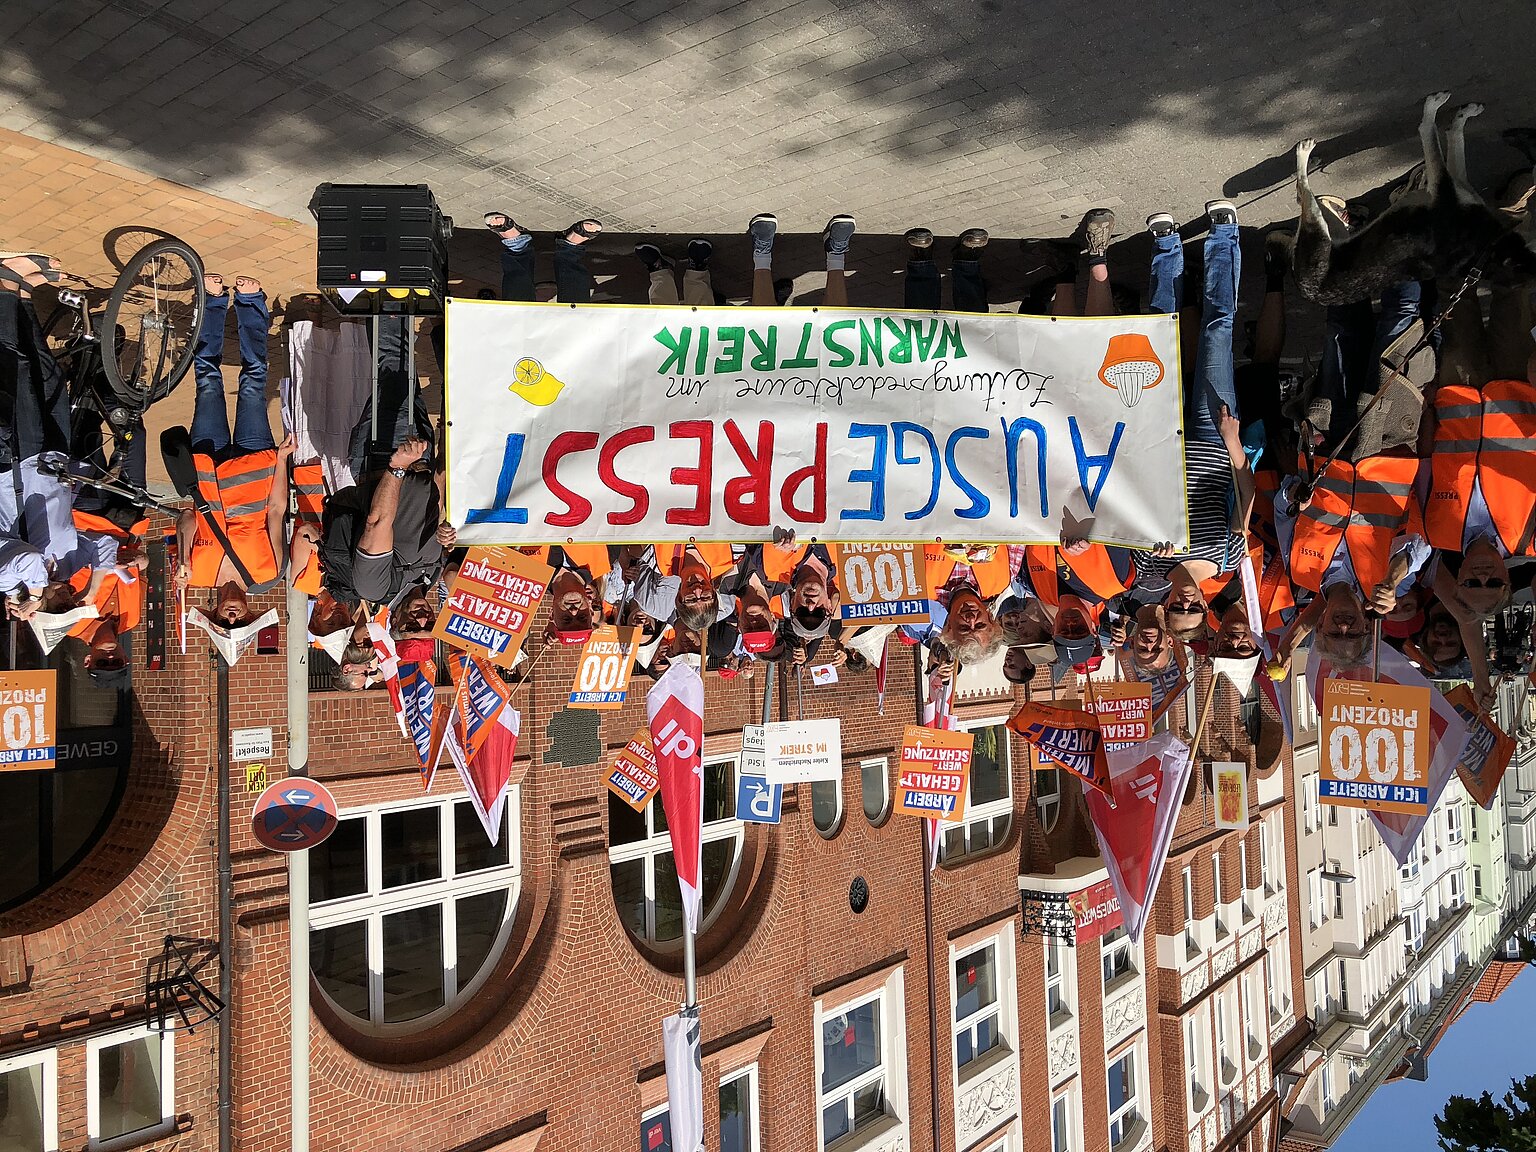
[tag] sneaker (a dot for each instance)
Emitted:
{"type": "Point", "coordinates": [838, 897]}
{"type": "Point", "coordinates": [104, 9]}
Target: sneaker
{"type": "Point", "coordinates": [783, 289]}
{"type": "Point", "coordinates": [651, 257]}
{"type": "Point", "coordinates": [970, 244]}
{"type": "Point", "coordinates": [1097, 227]}
{"type": "Point", "coordinates": [1161, 224]}
{"type": "Point", "coordinates": [763, 228]}
{"type": "Point", "coordinates": [919, 241]}
{"type": "Point", "coordinates": [1221, 212]}
{"type": "Point", "coordinates": [837, 233]}
{"type": "Point", "coordinates": [699, 252]}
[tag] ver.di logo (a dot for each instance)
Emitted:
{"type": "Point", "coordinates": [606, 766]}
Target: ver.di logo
{"type": "Point", "coordinates": [1130, 366]}
{"type": "Point", "coordinates": [533, 383]}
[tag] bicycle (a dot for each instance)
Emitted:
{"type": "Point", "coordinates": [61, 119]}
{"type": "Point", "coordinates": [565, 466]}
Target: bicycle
{"type": "Point", "coordinates": [150, 323]}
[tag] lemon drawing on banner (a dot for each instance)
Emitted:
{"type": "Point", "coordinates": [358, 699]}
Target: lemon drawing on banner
{"type": "Point", "coordinates": [533, 383]}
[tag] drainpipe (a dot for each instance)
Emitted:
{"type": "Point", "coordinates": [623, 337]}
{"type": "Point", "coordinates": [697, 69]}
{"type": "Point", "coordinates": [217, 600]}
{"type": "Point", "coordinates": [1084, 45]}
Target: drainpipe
{"type": "Point", "coordinates": [933, 984]}
{"type": "Point", "coordinates": [298, 875]}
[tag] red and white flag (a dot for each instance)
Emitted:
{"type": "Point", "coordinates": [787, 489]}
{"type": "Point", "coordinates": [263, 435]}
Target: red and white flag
{"type": "Point", "coordinates": [1135, 823]}
{"type": "Point", "coordinates": [675, 708]}
{"type": "Point", "coordinates": [389, 667]}
{"type": "Point", "coordinates": [482, 739]}
{"type": "Point", "coordinates": [680, 1036]}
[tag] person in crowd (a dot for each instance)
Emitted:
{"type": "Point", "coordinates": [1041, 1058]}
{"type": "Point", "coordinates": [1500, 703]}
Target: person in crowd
{"type": "Point", "coordinates": [573, 281]}
{"type": "Point", "coordinates": [835, 237]}
{"type": "Point", "coordinates": [698, 290]}
{"type": "Point", "coordinates": [967, 287]}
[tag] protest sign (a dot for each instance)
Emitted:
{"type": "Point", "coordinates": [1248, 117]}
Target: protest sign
{"type": "Point", "coordinates": [602, 673]}
{"type": "Point", "coordinates": [1229, 780]}
{"type": "Point", "coordinates": [1375, 746]}
{"type": "Point", "coordinates": [1488, 749]}
{"type": "Point", "coordinates": [633, 776]}
{"type": "Point", "coordinates": [491, 603]}
{"type": "Point", "coordinates": [882, 583]}
{"type": "Point", "coordinates": [1124, 711]}
{"type": "Point", "coordinates": [935, 767]}
{"type": "Point", "coordinates": [28, 720]}
{"type": "Point", "coordinates": [1066, 736]}
{"type": "Point", "coordinates": [1095, 912]}
{"type": "Point", "coordinates": [797, 751]}
{"type": "Point", "coordinates": [611, 424]}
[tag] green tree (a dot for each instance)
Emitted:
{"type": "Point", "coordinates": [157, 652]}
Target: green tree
{"type": "Point", "coordinates": [1489, 1125]}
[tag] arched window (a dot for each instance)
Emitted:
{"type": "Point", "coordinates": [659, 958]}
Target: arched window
{"type": "Point", "coordinates": [827, 806]}
{"type": "Point", "coordinates": [410, 905]}
{"type": "Point", "coordinates": [875, 786]}
{"type": "Point", "coordinates": [640, 859]}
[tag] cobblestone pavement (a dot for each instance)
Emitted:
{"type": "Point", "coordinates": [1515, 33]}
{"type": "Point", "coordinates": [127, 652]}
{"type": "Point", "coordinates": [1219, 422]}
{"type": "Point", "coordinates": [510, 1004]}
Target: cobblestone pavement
{"type": "Point", "coordinates": [676, 116]}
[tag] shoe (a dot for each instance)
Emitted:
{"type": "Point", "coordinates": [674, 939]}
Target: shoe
{"type": "Point", "coordinates": [699, 252]}
{"type": "Point", "coordinates": [651, 257]}
{"type": "Point", "coordinates": [506, 225]}
{"type": "Point", "coordinates": [763, 228]}
{"type": "Point", "coordinates": [1278, 244]}
{"type": "Point", "coordinates": [1048, 257]}
{"type": "Point", "coordinates": [582, 231]}
{"type": "Point", "coordinates": [1096, 229]}
{"type": "Point", "coordinates": [1221, 212]}
{"type": "Point", "coordinates": [1161, 224]}
{"type": "Point", "coordinates": [919, 242]}
{"type": "Point", "coordinates": [970, 244]}
{"type": "Point", "coordinates": [837, 233]}
{"type": "Point", "coordinates": [783, 289]}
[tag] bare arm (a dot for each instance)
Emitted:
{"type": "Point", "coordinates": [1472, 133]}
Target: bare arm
{"type": "Point", "coordinates": [378, 535]}
{"type": "Point", "coordinates": [277, 498]}
{"type": "Point", "coordinates": [1242, 474]}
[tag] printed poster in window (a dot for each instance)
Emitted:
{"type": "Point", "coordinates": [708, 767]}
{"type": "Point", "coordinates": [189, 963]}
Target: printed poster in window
{"type": "Point", "coordinates": [1229, 780]}
{"type": "Point", "coordinates": [633, 776]}
{"type": "Point", "coordinates": [1375, 746]}
{"type": "Point", "coordinates": [933, 773]}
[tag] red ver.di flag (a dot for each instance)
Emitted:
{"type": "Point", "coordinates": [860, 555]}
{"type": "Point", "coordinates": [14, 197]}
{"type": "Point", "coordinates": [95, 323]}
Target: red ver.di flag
{"type": "Point", "coordinates": [1147, 781]}
{"type": "Point", "coordinates": [482, 740]}
{"type": "Point", "coordinates": [675, 706]}
{"type": "Point", "coordinates": [1066, 736]}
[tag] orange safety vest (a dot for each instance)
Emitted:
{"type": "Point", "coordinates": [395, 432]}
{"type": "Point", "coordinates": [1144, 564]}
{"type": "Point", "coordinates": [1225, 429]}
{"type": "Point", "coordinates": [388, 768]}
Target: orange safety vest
{"type": "Point", "coordinates": [309, 493]}
{"type": "Point", "coordinates": [1095, 568]}
{"type": "Point", "coordinates": [992, 576]}
{"type": "Point", "coordinates": [1266, 488]}
{"type": "Point", "coordinates": [1487, 437]}
{"type": "Point", "coordinates": [130, 596]}
{"type": "Point", "coordinates": [592, 557]}
{"type": "Point", "coordinates": [1363, 507]}
{"type": "Point", "coordinates": [717, 556]}
{"type": "Point", "coordinates": [237, 491]}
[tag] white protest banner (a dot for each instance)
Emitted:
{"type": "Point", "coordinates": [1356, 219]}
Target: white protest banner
{"type": "Point", "coordinates": [603, 423]}
{"type": "Point", "coordinates": [801, 750]}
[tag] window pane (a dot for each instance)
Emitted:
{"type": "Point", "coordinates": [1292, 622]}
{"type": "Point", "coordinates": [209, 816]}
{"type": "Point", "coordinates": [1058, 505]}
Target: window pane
{"type": "Point", "coordinates": [80, 799]}
{"type": "Point", "coordinates": [868, 1104]}
{"type": "Point", "coordinates": [669, 900]}
{"type": "Point", "coordinates": [479, 923]}
{"type": "Point", "coordinates": [338, 867]}
{"type": "Point", "coordinates": [965, 1048]}
{"type": "Point", "coordinates": [850, 1045]}
{"type": "Point", "coordinates": [339, 959]}
{"type": "Point", "coordinates": [21, 815]}
{"type": "Point", "coordinates": [986, 1034]}
{"type": "Point", "coordinates": [413, 963]}
{"type": "Point", "coordinates": [625, 825]}
{"type": "Point", "coordinates": [824, 804]}
{"type": "Point", "coordinates": [720, 791]}
{"type": "Point", "coordinates": [128, 1079]}
{"type": "Point", "coordinates": [1122, 1083]}
{"type": "Point", "coordinates": [656, 1133]}
{"type": "Point", "coordinates": [472, 848]}
{"type": "Point", "coordinates": [989, 765]}
{"type": "Point", "coordinates": [21, 1110]}
{"type": "Point", "coordinates": [718, 857]}
{"type": "Point", "coordinates": [410, 846]}
{"type": "Point", "coordinates": [1059, 1134]}
{"type": "Point", "coordinates": [736, 1115]}
{"type": "Point", "coordinates": [975, 982]}
{"type": "Point", "coordinates": [873, 783]}
{"type": "Point", "coordinates": [629, 894]}
{"type": "Point", "coordinates": [834, 1121]}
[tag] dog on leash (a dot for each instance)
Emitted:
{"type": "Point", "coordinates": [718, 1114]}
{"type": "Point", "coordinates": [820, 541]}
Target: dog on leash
{"type": "Point", "coordinates": [1439, 229]}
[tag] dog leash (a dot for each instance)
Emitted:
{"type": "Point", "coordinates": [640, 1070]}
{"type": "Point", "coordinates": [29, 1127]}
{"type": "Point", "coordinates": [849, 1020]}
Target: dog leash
{"type": "Point", "coordinates": [1305, 489]}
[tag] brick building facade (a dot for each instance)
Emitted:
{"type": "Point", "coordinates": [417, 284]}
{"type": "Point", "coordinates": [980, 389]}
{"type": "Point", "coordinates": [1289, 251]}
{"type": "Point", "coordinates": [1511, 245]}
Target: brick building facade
{"type": "Point", "coordinates": [469, 998]}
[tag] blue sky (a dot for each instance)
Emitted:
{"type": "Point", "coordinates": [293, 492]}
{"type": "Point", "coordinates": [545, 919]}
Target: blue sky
{"type": "Point", "coordinates": [1483, 1051]}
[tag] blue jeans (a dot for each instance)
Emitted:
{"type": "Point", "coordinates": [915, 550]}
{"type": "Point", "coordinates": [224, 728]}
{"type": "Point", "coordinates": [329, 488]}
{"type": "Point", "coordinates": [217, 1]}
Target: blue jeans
{"type": "Point", "coordinates": [966, 287]}
{"type": "Point", "coordinates": [573, 282]}
{"type": "Point", "coordinates": [1213, 384]}
{"type": "Point", "coordinates": [1166, 290]}
{"type": "Point", "coordinates": [210, 418]}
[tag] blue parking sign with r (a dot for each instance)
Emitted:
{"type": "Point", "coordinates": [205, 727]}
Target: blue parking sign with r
{"type": "Point", "coordinates": [757, 801]}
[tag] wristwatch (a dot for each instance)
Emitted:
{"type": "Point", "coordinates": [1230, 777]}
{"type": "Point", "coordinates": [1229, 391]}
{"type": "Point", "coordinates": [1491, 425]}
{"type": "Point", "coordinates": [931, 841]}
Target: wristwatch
{"type": "Point", "coordinates": [397, 473]}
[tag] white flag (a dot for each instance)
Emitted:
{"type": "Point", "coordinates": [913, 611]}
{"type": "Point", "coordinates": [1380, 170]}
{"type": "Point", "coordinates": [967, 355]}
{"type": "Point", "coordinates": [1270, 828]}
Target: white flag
{"type": "Point", "coordinates": [685, 1079]}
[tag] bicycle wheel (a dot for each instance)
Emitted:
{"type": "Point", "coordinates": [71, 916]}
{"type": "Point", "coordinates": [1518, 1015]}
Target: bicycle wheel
{"type": "Point", "coordinates": [149, 329]}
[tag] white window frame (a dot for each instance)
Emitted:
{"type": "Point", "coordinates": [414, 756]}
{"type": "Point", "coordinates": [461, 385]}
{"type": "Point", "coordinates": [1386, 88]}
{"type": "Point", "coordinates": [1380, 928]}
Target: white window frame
{"type": "Point", "coordinates": [1410, 870]}
{"type": "Point", "coordinates": [94, 1046]}
{"type": "Point", "coordinates": [883, 763]}
{"type": "Point", "coordinates": [1453, 829]}
{"type": "Point", "coordinates": [1198, 1068]}
{"type": "Point", "coordinates": [376, 902]}
{"type": "Point", "coordinates": [1477, 882]}
{"type": "Point", "coordinates": [1453, 879]}
{"type": "Point", "coordinates": [1245, 906]}
{"type": "Point", "coordinates": [48, 1060]}
{"type": "Point", "coordinates": [1279, 985]}
{"type": "Point", "coordinates": [978, 814]}
{"type": "Point", "coordinates": [1225, 1041]}
{"type": "Point", "coordinates": [1001, 962]}
{"type": "Point", "coordinates": [657, 844]}
{"type": "Point", "coordinates": [831, 830]}
{"type": "Point", "coordinates": [1251, 1029]}
{"type": "Point", "coordinates": [755, 1129]}
{"type": "Point", "coordinates": [1047, 801]}
{"type": "Point", "coordinates": [1068, 1099]}
{"type": "Point", "coordinates": [1191, 930]}
{"type": "Point", "coordinates": [1064, 982]}
{"type": "Point", "coordinates": [1130, 1114]}
{"type": "Point", "coordinates": [1121, 943]}
{"type": "Point", "coordinates": [1309, 802]}
{"type": "Point", "coordinates": [1216, 896]}
{"type": "Point", "coordinates": [884, 1071]}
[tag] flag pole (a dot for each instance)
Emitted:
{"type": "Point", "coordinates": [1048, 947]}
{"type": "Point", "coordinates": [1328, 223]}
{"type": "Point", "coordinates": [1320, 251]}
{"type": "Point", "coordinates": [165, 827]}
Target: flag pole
{"type": "Point", "coordinates": [690, 934]}
{"type": "Point", "coordinates": [1205, 714]}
